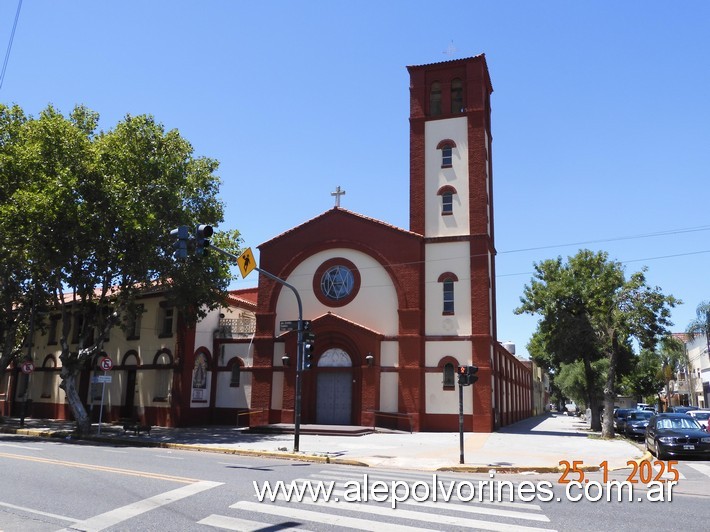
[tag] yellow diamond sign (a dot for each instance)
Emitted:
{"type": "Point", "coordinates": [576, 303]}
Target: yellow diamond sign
{"type": "Point", "coordinates": [246, 262]}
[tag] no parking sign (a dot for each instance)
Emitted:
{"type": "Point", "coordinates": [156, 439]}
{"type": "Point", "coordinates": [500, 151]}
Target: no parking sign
{"type": "Point", "coordinates": [106, 363]}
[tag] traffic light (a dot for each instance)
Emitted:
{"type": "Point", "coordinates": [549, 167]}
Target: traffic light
{"type": "Point", "coordinates": [182, 236]}
{"type": "Point", "coordinates": [467, 375]}
{"type": "Point", "coordinates": [309, 339]}
{"type": "Point", "coordinates": [472, 377]}
{"type": "Point", "coordinates": [202, 242]}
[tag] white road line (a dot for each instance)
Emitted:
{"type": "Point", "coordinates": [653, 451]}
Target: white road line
{"type": "Point", "coordinates": [485, 498]}
{"type": "Point", "coordinates": [423, 516]}
{"type": "Point", "coordinates": [470, 508]}
{"type": "Point", "coordinates": [242, 525]}
{"type": "Point", "coordinates": [37, 512]}
{"type": "Point", "coordinates": [702, 468]}
{"type": "Point", "coordinates": [320, 517]}
{"type": "Point", "coordinates": [20, 446]}
{"type": "Point", "coordinates": [114, 517]}
{"type": "Point", "coordinates": [373, 511]}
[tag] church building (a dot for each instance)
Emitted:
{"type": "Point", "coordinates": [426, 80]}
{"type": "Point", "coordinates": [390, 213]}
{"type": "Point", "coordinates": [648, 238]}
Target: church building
{"type": "Point", "coordinates": [396, 311]}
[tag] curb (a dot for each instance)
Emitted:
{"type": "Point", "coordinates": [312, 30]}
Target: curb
{"type": "Point", "coordinates": [117, 440]}
{"type": "Point", "coordinates": [513, 469]}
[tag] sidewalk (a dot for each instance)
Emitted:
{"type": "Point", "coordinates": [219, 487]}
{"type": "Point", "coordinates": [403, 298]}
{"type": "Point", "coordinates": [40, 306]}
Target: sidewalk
{"type": "Point", "coordinates": [535, 444]}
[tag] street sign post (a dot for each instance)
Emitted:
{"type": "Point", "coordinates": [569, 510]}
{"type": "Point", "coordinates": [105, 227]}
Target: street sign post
{"type": "Point", "coordinates": [105, 364]}
{"type": "Point", "coordinates": [292, 325]}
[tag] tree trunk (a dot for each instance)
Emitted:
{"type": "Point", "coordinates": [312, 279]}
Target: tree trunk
{"type": "Point", "coordinates": [610, 389]}
{"type": "Point", "coordinates": [71, 367]}
{"type": "Point", "coordinates": [595, 422]}
{"type": "Point", "coordinates": [83, 424]}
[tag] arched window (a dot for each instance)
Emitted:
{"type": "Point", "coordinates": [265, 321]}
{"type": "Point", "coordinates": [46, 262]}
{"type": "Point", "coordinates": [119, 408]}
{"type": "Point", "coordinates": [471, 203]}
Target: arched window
{"type": "Point", "coordinates": [447, 203]}
{"type": "Point", "coordinates": [435, 99]}
{"type": "Point", "coordinates": [457, 96]}
{"type": "Point", "coordinates": [447, 199]}
{"type": "Point", "coordinates": [48, 376]}
{"type": "Point", "coordinates": [163, 374]}
{"type": "Point", "coordinates": [447, 281]}
{"type": "Point", "coordinates": [447, 152]}
{"type": "Point", "coordinates": [449, 375]}
{"type": "Point", "coordinates": [236, 375]}
{"type": "Point", "coordinates": [446, 157]}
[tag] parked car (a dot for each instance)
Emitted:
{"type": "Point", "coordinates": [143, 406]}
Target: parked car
{"type": "Point", "coordinates": [702, 417]}
{"type": "Point", "coordinates": [676, 435]}
{"type": "Point", "coordinates": [636, 423]}
{"type": "Point", "coordinates": [620, 419]}
{"type": "Point", "coordinates": [680, 409]}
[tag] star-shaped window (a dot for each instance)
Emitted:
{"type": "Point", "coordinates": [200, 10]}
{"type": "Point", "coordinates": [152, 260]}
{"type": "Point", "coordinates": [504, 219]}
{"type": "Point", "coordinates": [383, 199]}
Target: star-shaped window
{"type": "Point", "coordinates": [337, 282]}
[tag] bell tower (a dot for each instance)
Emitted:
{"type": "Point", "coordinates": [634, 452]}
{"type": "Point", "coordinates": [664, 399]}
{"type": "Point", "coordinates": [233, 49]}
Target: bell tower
{"type": "Point", "coordinates": [451, 205]}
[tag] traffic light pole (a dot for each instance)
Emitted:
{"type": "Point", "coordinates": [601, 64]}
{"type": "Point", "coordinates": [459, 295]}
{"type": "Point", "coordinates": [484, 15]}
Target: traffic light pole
{"type": "Point", "coordinates": [299, 349]}
{"type": "Point", "coordinates": [460, 423]}
{"type": "Point", "coordinates": [299, 360]}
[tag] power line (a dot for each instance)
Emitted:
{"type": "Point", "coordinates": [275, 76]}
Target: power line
{"type": "Point", "coordinates": [9, 45]}
{"type": "Point", "coordinates": [613, 239]}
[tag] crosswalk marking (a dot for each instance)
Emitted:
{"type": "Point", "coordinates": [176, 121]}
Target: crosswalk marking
{"type": "Point", "coordinates": [702, 468]}
{"type": "Point", "coordinates": [320, 517]}
{"type": "Point", "coordinates": [242, 525]}
{"type": "Point", "coordinates": [484, 496]}
{"type": "Point", "coordinates": [472, 507]}
{"type": "Point", "coordinates": [414, 516]}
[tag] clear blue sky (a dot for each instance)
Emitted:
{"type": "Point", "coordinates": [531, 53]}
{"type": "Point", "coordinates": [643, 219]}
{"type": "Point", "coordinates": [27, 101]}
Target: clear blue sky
{"type": "Point", "coordinates": [601, 113]}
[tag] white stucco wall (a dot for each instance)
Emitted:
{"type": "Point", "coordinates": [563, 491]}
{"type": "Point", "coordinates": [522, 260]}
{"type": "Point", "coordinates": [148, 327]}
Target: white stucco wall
{"type": "Point", "coordinates": [374, 307]}
{"type": "Point", "coordinates": [448, 257]}
{"type": "Point", "coordinates": [435, 351]}
{"type": "Point", "coordinates": [440, 401]}
{"type": "Point", "coordinates": [436, 177]}
{"type": "Point", "coordinates": [233, 397]}
{"type": "Point", "coordinates": [389, 354]}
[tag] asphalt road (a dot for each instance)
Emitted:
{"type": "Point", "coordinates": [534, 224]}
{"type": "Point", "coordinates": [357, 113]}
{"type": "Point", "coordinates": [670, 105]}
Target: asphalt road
{"type": "Point", "coordinates": [54, 485]}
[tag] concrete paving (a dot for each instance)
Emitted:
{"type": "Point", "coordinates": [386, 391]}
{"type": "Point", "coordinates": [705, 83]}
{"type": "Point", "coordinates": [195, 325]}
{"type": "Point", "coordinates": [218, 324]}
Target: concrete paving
{"type": "Point", "coordinates": [535, 444]}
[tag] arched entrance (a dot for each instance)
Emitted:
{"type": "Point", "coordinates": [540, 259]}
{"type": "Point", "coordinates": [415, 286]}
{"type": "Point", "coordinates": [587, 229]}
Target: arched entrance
{"type": "Point", "coordinates": [334, 389]}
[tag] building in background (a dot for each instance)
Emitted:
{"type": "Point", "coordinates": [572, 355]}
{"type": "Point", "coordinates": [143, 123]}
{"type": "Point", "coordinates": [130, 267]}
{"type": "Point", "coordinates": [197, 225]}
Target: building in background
{"type": "Point", "coordinates": [396, 311]}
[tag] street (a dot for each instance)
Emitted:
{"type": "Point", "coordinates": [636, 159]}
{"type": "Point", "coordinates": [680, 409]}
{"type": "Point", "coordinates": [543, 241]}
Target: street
{"type": "Point", "coordinates": [56, 485]}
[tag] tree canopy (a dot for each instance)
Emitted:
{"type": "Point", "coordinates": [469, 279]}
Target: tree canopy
{"type": "Point", "coordinates": [85, 217]}
{"type": "Point", "coordinates": [589, 311]}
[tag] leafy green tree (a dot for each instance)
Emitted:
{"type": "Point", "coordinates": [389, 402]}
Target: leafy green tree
{"type": "Point", "coordinates": [96, 209]}
{"type": "Point", "coordinates": [572, 381]}
{"type": "Point", "coordinates": [645, 379]}
{"type": "Point", "coordinates": [590, 311]}
{"type": "Point", "coordinates": [700, 326]}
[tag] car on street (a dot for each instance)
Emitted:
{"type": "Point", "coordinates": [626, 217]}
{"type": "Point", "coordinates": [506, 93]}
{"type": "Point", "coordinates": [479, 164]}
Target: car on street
{"type": "Point", "coordinates": [676, 435]}
{"type": "Point", "coordinates": [636, 423]}
{"type": "Point", "coordinates": [620, 419]}
{"type": "Point", "coordinates": [680, 409]}
{"type": "Point", "coordinates": [702, 417]}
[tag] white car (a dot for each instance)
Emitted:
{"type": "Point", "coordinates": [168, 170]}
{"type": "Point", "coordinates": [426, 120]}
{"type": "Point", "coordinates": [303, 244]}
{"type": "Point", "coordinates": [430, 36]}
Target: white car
{"type": "Point", "coordinates": [702, 417]}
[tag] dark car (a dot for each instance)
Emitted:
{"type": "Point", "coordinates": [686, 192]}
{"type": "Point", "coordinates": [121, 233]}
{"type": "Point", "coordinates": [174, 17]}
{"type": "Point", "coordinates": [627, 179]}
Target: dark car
{"type": "Point", "coordinates": [636, 423]}
{"type": "Point", "coordinates": [620, 419]}
{"type": "Point", "coordinates": [676, 435]}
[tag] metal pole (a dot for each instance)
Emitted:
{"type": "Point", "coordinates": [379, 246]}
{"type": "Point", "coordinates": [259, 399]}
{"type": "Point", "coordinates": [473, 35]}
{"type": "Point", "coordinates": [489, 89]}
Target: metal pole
{"type": "Point", "coordinates": [299, 352]}
{"type": "Point", "coordinates": [101, 409]}
{"type": "Point", "coordinates": [299, 361]}
{"type": "Point", "coordinates": [460, 423]}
